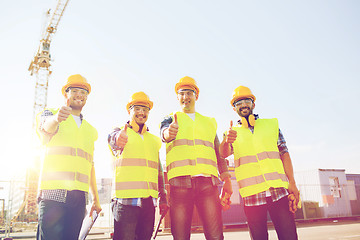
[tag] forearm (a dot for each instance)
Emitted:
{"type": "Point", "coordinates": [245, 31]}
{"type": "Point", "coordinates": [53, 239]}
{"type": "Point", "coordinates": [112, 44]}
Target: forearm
{"type": "Point", "coordinates": [161, 180]}
{"type": "Point", "coordinates": [225, 149]}
{"type": "Point", "coordinates": [288, 168]}
{"type": "Point", "coordinates": [292, 188]}
{"type": "Point", "coordinates": [221, 162]}
{"type": "Point", "coordinates": [165, 136]}
{"type": "Point", "coordinates": [93, 186]}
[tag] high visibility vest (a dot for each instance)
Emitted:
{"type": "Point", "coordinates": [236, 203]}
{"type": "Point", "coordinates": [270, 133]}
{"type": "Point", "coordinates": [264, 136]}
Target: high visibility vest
{"type": "Point", "coordinates": [69, 156]}
{"type": "Point", "coordinates": [192, 152]}
{"type": "Point", "coordinates": [258, 166]}
{"type": "Point", "coordinates": [137, 167]}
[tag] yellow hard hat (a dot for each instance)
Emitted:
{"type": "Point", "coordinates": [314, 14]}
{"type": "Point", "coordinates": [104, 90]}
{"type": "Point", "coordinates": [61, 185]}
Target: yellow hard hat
{"type": "Point", "coordinates": [76, 81]}
{"type": "Point", "coordinates": [139, 98]}
{"type": "Point", "coordinates": [241, 92]}
{"type": "Point", "coordinates": [188, 83]}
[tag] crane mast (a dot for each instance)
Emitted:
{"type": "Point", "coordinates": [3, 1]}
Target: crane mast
{"type": "Point", "coordinates": [40, 67]}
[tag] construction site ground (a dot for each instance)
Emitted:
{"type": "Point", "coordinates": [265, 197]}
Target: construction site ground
{"type": "Point", "coordinates": [315, 229]}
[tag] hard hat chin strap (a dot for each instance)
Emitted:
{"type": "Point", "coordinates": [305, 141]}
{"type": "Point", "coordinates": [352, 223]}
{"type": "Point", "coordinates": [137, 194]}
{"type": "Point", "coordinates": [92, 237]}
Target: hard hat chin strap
{"type": "Point", "coordinates": [249, 121]}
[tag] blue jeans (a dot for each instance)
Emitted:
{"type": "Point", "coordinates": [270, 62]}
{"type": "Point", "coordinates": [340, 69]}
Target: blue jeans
{"type": "Point", "coordinates": [205, 196]}
{"type": "Point", "coordinates": [281, 217]}
{"type": "Point", "coordinates": [132, 222]}
{"type": "Point", "coordinates": [61, 221]}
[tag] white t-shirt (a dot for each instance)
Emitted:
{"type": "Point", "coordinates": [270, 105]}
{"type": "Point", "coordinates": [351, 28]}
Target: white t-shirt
{"type": "Point", "coordinates": [191, 115]}
{"type": "Point", "coordinates": [77, 120]}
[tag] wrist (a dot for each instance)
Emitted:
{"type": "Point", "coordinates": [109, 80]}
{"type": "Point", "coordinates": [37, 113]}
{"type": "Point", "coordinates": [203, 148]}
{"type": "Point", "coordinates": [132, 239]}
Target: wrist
{"type": "Point", "coordinates": [95, 198]}
{"type": "Point", "coordinates": [292, 181]}
{"type": "Point", "coordinates": [226, 143]}
{"type": "Point", "coordinates": [116, 137]}
{"type": "Point", "coordinates": [227, 179]}
{"type": "Point", "coordinates": [167, 136]}
{"type": "Point", "coordinates": [225, 148]}
{"type": "Point", "coordinates": [225, 176]}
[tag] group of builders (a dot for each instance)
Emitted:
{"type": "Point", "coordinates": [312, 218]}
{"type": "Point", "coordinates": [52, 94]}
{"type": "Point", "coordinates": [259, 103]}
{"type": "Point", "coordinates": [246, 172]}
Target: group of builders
{"type": "Point", "coordinates": [195, 163]}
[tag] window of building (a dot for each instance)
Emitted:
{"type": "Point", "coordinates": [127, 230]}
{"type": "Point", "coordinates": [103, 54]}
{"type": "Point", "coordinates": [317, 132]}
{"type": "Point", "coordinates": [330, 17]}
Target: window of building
{"type": "Point", "coordinates": [335, 189]}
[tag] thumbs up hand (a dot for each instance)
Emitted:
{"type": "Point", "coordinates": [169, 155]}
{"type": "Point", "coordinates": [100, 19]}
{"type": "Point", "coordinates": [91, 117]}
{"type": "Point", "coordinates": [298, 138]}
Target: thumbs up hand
{"type": "Point", "coordinates": [122, 137]}
{"type": "Point", "coordinates": [231, 134]}
{"type": "Point", "coordinates": [64, 112]}
{"type": "Point", "coordinates": [171, 132]}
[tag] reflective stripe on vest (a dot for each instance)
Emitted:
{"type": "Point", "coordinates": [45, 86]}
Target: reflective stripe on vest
{"type": "Point", "coordinates": [192, 152]}
{"type": "Point", "coordinates": [141, 162]}
{"type": "Point", "coordinates": [65, 176]}
{"type": "Point", "coordinates": [188, 142]}
{"type": "Point", "coordinates": [59, 150]}
{"type": "Point", "coordinates": [190, 162]}
{"type": "Point", "coordinates": [261, 178]}
{"type": "Point", "coordinates": [253, 159]}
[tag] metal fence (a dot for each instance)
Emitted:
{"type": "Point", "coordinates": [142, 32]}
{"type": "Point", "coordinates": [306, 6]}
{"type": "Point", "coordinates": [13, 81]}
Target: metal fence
{"type": "Point", "coordinates": [318, 201]}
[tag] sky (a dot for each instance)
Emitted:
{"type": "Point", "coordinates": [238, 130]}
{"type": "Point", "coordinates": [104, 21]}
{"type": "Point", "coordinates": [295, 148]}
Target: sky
{"type": "Point", "coordinates": [299, 58]}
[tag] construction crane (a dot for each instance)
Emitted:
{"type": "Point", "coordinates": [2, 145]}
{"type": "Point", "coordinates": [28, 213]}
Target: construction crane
{"type": "Point", "coordinates": [40, 67]}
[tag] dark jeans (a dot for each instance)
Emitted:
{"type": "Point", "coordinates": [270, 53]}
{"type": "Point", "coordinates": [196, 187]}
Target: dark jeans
{"type": "Point", "coordinates": [132, 222]}
{"type": "Point", "coordinates": [206, 198]}
{"type": "Point", "coordinates": [281, 217]}
{"type": "Point", "coordinates": [61, 221]}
